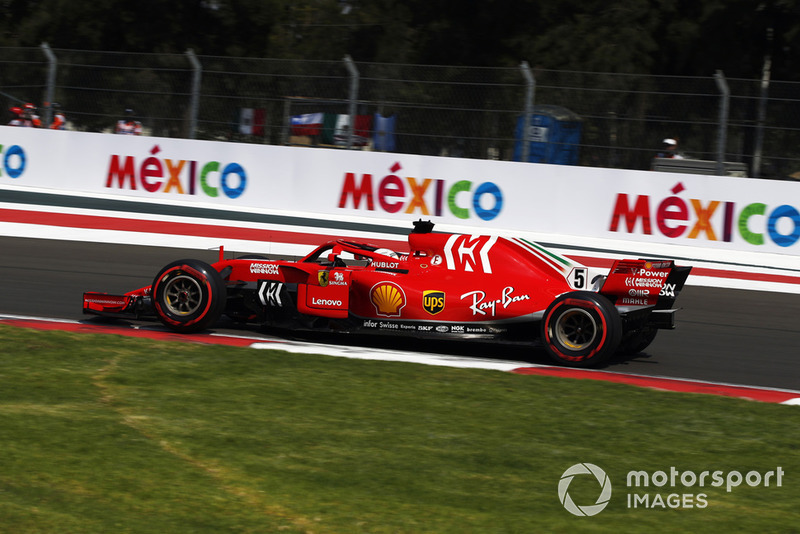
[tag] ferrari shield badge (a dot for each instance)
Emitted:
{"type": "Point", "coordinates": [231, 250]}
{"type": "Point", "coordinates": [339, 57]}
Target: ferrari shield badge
{"type": "Point", "coordinates": [322, 276]}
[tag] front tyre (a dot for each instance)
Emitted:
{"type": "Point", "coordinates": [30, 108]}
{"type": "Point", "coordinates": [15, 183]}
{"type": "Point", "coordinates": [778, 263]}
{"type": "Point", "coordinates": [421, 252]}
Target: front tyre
{"type": "Point", "coordinates": [581, 329]}
{"type": "Point", "coordinates": [188, 295]}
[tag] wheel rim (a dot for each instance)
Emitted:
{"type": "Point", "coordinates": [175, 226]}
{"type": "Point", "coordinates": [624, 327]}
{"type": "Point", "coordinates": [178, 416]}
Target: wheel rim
{"type": "Point", "coordinates": [576, 329]}
{"type": "Point", "coordinates": [183, 295]}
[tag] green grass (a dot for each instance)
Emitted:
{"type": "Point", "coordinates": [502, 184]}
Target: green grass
{"type": "Point", "coordinates": [105, 434]}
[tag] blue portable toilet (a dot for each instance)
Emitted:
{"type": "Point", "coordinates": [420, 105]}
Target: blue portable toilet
{"type": "Point", "coordinates": [554, 136]}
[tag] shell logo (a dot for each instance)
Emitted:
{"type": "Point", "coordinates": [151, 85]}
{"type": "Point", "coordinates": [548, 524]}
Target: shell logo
{"type": "Point", "coordinates": [388, 299]}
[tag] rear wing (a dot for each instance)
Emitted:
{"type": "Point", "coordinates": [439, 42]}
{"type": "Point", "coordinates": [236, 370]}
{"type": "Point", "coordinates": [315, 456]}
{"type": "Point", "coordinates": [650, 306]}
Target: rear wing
{"type": "Point", "coordinates": [645, 283]}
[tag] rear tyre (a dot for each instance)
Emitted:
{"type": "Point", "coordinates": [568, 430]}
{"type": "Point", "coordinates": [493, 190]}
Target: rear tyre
{"type": "Point", "coordinates": [188, 295]}
{"type": "Point", "coordinates": [581, 329]}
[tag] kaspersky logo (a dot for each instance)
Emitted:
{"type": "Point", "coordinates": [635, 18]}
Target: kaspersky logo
{"type": "Point", "coordinates": [581, 470]}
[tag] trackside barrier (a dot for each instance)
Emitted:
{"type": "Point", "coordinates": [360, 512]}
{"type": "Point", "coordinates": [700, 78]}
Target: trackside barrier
{"type": "Point", "coordinates": [699, 166]}
{"type": "Point", "coordinates": [713, 216]}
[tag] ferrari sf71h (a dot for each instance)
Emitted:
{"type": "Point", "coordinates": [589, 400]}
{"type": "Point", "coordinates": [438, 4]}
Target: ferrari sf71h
{"type": "Point", "coordinates": [445, 286]}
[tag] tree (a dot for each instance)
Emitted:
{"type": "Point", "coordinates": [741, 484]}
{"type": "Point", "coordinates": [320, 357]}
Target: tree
{"type": "Point", "coordinates": [213, 27]}
{"type": "Point", "coordinates": [669, 37]}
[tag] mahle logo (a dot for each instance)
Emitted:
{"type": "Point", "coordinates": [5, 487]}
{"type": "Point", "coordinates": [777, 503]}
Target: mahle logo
{"type": "Point", "coordinates": [584, 469]}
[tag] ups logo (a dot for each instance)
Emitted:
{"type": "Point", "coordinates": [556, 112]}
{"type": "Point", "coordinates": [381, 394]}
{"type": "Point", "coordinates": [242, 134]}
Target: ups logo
{"type": "Point", "coordinates": [433, 301]}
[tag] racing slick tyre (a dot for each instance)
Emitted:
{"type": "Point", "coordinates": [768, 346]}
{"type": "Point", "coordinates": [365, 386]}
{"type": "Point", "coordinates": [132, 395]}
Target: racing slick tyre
{"type": "Point", "coordinates": [188, 295]}
{"type": "Point", "coordinates": [581, 329]}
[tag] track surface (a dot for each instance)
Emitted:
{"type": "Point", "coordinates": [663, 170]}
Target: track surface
{"type": "Point", "coordinates": [732, 336]}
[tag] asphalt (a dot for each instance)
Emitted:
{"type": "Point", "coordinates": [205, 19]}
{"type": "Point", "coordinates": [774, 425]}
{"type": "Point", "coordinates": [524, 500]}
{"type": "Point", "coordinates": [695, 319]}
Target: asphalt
{"type": "Point", "coordinates": [724, 335]}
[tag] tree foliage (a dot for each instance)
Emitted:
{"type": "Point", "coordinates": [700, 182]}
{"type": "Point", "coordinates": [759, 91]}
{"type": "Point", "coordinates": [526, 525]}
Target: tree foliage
{"type": "Point", "coordinates": [671, 37]}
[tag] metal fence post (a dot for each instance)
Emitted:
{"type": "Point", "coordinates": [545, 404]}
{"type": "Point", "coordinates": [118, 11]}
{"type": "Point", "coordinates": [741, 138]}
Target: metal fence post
{"type": "Point", "coordinates": [194, 103]}
{"type": "Point", "coordinates": [530, 88]}
{"type": "Point", "coordinates": [353, 71]}
{"type": "Point", "coordinates": [755, 172]}
{"type": "Point", "coordinates": [52, 67]}
{"type": "Point", "coordinates": [722, 133]}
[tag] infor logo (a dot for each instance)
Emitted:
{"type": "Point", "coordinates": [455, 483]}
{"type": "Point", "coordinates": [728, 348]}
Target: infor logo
{"type": "Point", "coordinates": [584, 469]}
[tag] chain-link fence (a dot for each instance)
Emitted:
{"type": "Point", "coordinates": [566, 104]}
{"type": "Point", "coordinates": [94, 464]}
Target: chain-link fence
{"type": "Point", "coordinates": [618, 120]}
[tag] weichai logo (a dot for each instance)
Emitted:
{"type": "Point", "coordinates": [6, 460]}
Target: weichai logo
{"type": "Point", "coordinates": [714, 220]}
{"type": "Point", "coordinates": [13, 161]}
{"type": "Point", "coordinates": [427, 196]}
{"type": "Point", "coordinates": [181, 177]}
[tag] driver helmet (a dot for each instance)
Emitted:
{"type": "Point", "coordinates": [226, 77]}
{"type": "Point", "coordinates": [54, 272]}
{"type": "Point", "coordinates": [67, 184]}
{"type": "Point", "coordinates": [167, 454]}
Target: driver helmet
{"type": "Point", "coordinates": [387, 252]}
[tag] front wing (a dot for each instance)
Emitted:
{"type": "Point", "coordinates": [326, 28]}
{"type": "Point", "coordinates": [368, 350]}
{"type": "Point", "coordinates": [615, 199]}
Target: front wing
{"type": "Point", "coordinates": [131, 305]}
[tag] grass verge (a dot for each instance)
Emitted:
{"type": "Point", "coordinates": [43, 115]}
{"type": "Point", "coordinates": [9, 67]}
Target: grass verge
{"type": "Point", "coordinates": [111, 434]}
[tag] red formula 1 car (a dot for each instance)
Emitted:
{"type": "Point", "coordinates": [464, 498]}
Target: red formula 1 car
{"type": "Point", "coordinates": [447, 286]}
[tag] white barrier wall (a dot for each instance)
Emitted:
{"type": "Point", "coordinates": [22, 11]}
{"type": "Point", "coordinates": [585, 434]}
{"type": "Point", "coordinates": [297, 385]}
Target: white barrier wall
{"type": "Point", "coordinates": [723, 213]}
